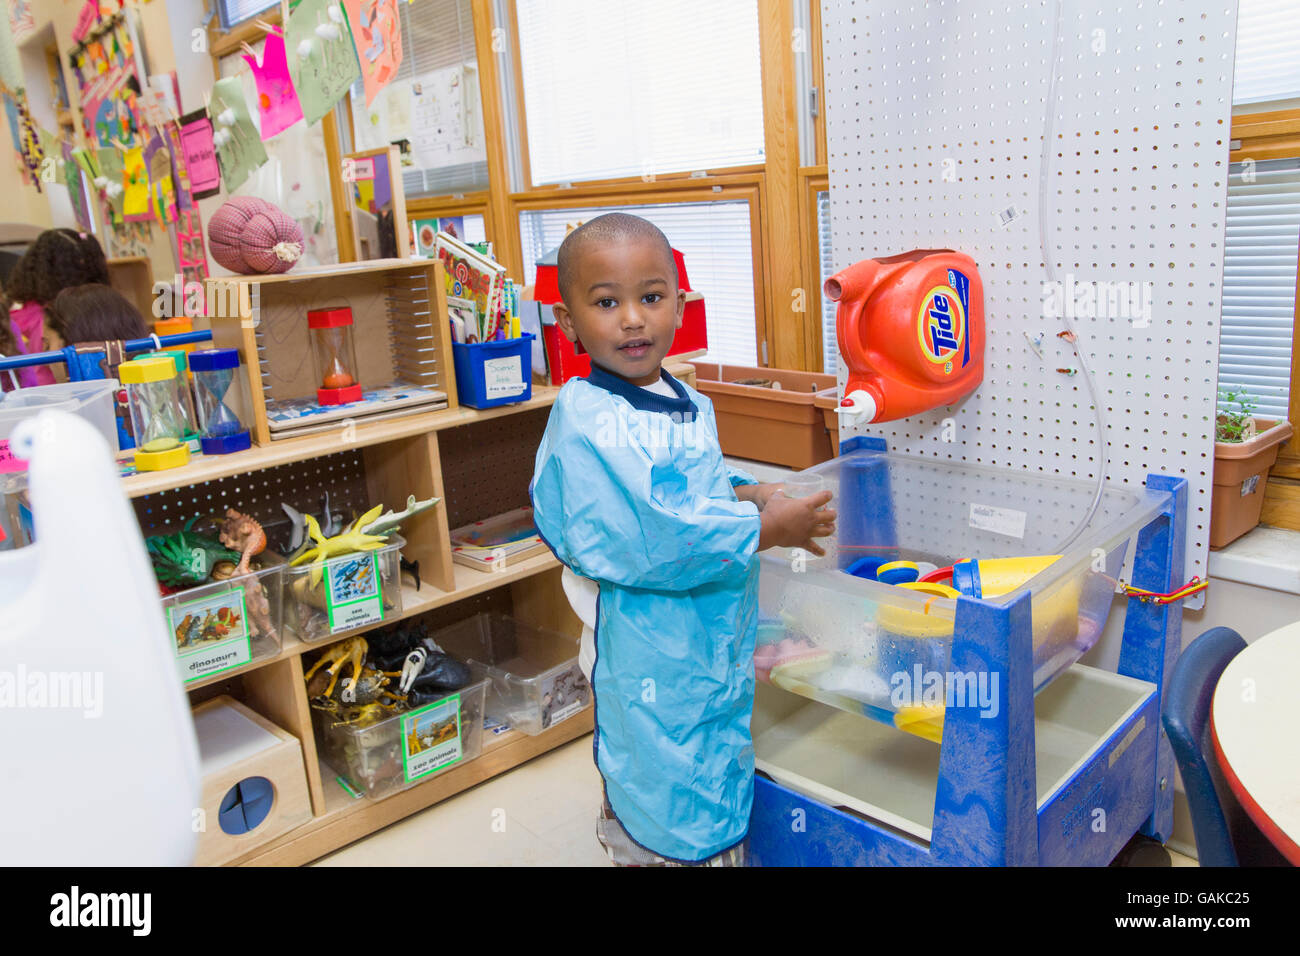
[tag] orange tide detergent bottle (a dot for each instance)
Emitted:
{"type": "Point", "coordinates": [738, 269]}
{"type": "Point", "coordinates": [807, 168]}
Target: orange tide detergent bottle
{"type": "Point", "coordinates": [911, 333]}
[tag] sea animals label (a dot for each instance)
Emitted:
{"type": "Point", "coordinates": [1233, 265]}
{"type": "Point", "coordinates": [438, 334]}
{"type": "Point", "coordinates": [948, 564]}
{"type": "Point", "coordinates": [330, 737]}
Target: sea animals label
{"type": "Point", "coordinates": [431, 738]}
{"type": "Point", "coordinates": [352, 592]}
{"type": "Point", "coordinates": [211, 634]}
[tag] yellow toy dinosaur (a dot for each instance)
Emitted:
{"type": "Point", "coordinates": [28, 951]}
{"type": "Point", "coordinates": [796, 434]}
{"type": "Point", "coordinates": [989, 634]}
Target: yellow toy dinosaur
{"type": "Point", "coordinates": [350, 541]}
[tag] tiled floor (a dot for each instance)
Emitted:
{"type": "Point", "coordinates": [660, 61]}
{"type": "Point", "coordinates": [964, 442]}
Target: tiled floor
{"type": "Point", "coordinates": [540, 814]}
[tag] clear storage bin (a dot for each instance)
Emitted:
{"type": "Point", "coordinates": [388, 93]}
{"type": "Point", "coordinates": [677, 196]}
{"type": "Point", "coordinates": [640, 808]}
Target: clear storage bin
{"type": "Point", "coordinates": [861, 645]}
{"type": "Point", "coordinates": [533, 674]}
{"type": "Point", "coordinates": [408, 748]}
{"type": "Point", "coordinates": [345, 594]}
{"type": "Point", "coordinates": [227, 624]}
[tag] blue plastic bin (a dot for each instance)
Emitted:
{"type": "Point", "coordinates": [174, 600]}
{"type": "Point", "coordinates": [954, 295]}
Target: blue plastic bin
{"type": "Point", "coordinates": [486, 371]}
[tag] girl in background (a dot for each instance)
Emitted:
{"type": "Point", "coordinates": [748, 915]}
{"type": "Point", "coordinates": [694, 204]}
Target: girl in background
{"type": "Point", "coordinates": [57, 260]}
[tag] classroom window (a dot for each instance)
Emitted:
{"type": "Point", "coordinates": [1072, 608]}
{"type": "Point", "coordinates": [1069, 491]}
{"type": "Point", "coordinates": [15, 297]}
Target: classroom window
{"type": "Point", "coordinates": [715, 240]}
{"type": "Point", "coordinates": [433, 104]}
{"type": "Point", "coordinates": [830, 345]}
{"type": "Point", "coordinates": [621, 88]}
{"type": "Point", "coordinates": [232, 12]}
{"type": "Point", "coordinates": [1259, 282]}
{"type": "Point", "coordinates": [1267, 65]}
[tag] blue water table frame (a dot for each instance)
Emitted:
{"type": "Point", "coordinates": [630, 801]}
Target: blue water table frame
{"type": "Point", "coordinates": [985, 810]}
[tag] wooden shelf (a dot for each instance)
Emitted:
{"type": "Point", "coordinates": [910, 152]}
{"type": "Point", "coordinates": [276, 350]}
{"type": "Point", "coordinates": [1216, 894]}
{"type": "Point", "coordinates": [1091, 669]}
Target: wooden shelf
{"type": "Point", "coordinates": [347, 819]}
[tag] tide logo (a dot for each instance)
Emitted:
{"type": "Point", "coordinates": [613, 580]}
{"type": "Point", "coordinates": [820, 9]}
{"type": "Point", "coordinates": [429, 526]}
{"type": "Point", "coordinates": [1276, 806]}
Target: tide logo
{"type": "Point", "coordinates": [941, 326]}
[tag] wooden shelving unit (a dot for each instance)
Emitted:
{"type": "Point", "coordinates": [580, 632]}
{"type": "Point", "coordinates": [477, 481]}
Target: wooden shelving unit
{"type": "Point", "coordinates": [478, 462]}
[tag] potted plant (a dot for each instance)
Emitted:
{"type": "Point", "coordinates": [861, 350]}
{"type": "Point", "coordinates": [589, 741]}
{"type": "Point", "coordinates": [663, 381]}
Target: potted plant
{"type": "Point", "coordinates": [1245, 448]}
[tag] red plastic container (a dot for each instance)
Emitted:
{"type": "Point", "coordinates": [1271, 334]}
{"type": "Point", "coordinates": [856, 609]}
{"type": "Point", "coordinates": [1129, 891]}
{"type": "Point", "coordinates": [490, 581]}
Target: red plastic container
{"type": "Point", "coordinates": [910, 330]}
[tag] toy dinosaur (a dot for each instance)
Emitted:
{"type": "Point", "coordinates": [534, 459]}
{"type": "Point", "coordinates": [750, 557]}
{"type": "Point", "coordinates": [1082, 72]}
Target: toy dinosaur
{"type": "Point", "coordinates": [388, 522]}
{"type": "Point", "coordinates": [242, 532]}
{"type": "Point", "coordinates": [186, 558]}
{"type": "Point", "coordinates": [350, 541]}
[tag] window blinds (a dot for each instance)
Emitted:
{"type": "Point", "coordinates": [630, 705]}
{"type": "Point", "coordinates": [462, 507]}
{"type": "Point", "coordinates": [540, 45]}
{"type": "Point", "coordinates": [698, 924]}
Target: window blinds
{"type": "Point", "coordinates": [714, 239]}
{"type": "Point", "coordinates": [1268, 51]}
{"type": "Point", "coordinates": [617, 88]}
{"type": "Point", "coordinates": [1259, 282]}
{"type": "Point", "coordinates": [434, 102]}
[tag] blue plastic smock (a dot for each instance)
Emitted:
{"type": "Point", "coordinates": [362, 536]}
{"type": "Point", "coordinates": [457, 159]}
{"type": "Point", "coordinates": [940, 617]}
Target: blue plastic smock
{"type": "Point", "coordinates": [630, 489]}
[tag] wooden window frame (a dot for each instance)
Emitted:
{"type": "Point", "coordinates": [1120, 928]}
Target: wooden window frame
{"type": "Point", "coordinates": [1264, 136]}
{"type": "Point", "coordinates": [813, 180]}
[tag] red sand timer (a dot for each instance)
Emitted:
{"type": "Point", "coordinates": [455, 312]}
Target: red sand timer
{"type": "Point", "coordinates": [336, 356]}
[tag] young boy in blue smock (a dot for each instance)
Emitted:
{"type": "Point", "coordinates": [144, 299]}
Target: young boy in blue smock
{"type": "Point", "coordinates": [631, 493]}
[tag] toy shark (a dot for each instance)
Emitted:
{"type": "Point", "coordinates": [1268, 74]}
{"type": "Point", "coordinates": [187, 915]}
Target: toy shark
{"type": "Point", "coordinates": [389, 522]}
{"type": "Point", "coordinates": [330, 524]}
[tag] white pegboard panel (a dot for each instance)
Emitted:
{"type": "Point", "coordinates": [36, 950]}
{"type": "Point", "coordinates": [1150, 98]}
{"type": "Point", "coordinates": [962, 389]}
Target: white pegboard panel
{"type": "Point", "coordinates": [935, 119]}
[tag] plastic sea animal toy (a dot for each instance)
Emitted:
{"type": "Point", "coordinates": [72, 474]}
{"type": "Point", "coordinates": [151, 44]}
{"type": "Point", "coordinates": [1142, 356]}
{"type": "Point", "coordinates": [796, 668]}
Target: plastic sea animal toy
{"type": "Point", "coordinates": [389, 521]}
{"type": "Point", "coordinates": [348, 542]}
{"type": "Point", "coordinates": [185, 558]}
{"type": "Point", "coordinates": [330, 525]}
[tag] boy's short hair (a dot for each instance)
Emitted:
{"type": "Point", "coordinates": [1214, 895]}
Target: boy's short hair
{"type": "Point", "coordinates": [607, 228]}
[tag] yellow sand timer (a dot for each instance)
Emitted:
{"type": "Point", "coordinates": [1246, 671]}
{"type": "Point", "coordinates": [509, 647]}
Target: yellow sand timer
{"type": "Point", "coordinates": [152, 392]}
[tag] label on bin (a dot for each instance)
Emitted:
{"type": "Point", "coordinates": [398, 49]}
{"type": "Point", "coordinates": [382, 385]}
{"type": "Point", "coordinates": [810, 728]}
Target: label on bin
{"type": "Point", "coordinates": [1005, 521]}
{"type": "Point", "coordinates": [211, 634]}
{"type": "Point", "coordinates": [431, 738]}
{"type": "Point", "coordinates": [503, 376]}
{"type": "Point", "coordinates": [568, 710]}
{"type": "Point", "coordinates": [7, 460]}
{"type": "Point", "coordinates": [352, 592]}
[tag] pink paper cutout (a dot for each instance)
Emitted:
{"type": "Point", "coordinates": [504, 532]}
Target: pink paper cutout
{"type": "Point", "coordinates": [277, 100]}
{"type": "Point", "coordinates": [200, 154]}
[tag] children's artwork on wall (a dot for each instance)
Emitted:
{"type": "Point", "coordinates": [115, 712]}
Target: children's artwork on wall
{"type": "Point", "coordinates": [322, 60]}
{"type": "Point", "coordinates": [162, 188]}
{"type": "Point", "coordinates": [180, 171]}
{"type": "Point", "coordinates": [111, 184]}
{"type": "Point", "coordinates": [377, 33]}
{"type": "Point", "coordinates": [129, 239]}
{"type": "Point", "coordinates": [447, 129]}
{"type": "Point", "coordinates": [191, 255]}
{"type": "Point", "coordinates": [21, 22]}
{"type": "Point", "coordinates": [239, 148]}
{"type": "Point", "coordinates": [135, 179]}
{"type": "Point", "coordinates": [277, 103]}
{"type": "Point", "coordinates": [86, 20]}
{"type": "Point", "coordinates": [11, 72]}
{"type": "Point", "coordinates": [159, 102]}
{"type": "Point", "coordinates": [76, 188]}
{"type": "Point", "coordinates": [15, 124]}
{"type": "Point", "coordinates": [200, 154]}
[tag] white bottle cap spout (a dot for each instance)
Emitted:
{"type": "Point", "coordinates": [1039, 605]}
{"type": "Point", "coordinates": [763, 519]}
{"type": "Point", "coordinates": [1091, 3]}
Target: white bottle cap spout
{"type": "Point", "coordinates": [858, 408]}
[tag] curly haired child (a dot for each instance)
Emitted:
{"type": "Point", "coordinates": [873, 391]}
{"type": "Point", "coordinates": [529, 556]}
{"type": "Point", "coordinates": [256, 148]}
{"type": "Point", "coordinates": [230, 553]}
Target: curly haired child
{"type": "Point", "coordinates": [58, 259]}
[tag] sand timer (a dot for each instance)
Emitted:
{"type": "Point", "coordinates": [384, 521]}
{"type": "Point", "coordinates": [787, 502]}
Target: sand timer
{"type": "Point", "coordinates": [183, 413]}
{"type": "Point", "coordinates": [217, 384]}
{"type": "Point", "coordinates": [152, 396]}
{"type": "Point", "coordinates": [336, 356]}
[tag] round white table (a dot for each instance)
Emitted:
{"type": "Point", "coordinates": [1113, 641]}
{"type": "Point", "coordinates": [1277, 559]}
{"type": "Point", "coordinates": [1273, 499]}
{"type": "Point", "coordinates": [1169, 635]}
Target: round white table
{"type": "Point", "coordinates": [1255, 729]}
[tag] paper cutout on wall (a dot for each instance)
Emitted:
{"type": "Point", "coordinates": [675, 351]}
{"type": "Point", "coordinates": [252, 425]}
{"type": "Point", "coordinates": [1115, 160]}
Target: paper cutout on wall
{"type": "Point", "coordinates": [135, 178]}
{"type": "Point", "coordinates": [20, 19]}
{"type": "Point", "coordinates": [180, 171]}
{"type": "Point", "coordinates": [11, 71]}
{"type": "Point", "coordinates": [76, 188]}
{"type": "Point", "coordinates": [322, 60]}
{"type": "Point", "coordinates": [239, 148]}
{"type": "Point", "coordinates": [377, 33]}
{"type": "Point", "coordinates": [15, 124]}
{"type": "Point", "coordinates": [162, 189]}
{"type": "Point", "coordinates": [110, 182]}
{"type": "Point", "coordinates": [159, 102]}
{"type": "Point", "coordinates": [200, 155]}
{"type": "Point", "coordinates": [277, 103]}
{"type": "Point", "coordinates": [86, 20]}
{"type": "Point", "coordinates": [191, 255]}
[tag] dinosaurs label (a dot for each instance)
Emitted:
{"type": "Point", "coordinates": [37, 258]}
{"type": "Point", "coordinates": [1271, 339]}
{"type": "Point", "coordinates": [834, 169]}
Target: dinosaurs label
{"type": "Point", "coordinates": [211, 634]}
{"type": "Point", "coordinates": [431, 738]}
{"type": "Point", "coordinates": [352, 591]}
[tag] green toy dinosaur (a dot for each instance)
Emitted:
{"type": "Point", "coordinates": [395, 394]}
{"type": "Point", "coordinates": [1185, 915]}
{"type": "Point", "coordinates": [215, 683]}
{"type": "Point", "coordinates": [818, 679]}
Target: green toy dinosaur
{"type": "Point", "coordinates": [184, 559]}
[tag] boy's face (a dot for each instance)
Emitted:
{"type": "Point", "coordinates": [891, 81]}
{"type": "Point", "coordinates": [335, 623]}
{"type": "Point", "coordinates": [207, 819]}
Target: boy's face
{"type": "Point", "coordinates": [624, 308]}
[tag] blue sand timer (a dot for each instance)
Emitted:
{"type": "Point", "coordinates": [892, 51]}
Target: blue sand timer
{"type": "Point", "coordinates": [214, 379]}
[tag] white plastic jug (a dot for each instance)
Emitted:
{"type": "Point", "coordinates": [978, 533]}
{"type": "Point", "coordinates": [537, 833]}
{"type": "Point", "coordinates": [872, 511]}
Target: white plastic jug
{"type": "Point", "coordinates": [97, 745]}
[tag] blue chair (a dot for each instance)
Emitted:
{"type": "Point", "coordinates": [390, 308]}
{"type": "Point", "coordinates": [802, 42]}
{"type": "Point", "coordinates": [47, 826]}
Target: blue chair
{"type": "Point", "coordinates": [1225, 835]}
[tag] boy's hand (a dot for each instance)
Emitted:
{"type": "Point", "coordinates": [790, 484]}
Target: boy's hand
{"type": "Point", "coordinates": [759, 494]}
{"type": "Point", "coordinates": [794, 522]}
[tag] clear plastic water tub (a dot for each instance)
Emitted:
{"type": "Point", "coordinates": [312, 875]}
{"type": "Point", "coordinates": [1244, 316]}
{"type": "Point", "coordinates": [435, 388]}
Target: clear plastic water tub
{"type": "Point", "coordinates": [871, 648]}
